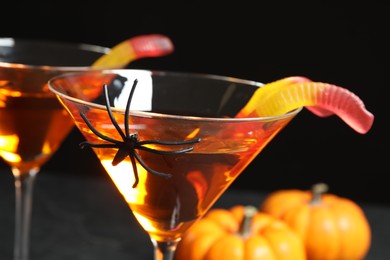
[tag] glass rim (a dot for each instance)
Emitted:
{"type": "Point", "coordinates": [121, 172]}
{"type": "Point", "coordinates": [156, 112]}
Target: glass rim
{"type": "Point", "coordinates": [149, 114]}
{"type": "Point", "coordinates": [10, 41]}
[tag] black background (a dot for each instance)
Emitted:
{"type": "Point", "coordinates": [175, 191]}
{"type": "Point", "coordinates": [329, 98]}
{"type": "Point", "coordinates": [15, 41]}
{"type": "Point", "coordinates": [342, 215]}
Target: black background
{"type": "Point", "coordinates": [343, 44]}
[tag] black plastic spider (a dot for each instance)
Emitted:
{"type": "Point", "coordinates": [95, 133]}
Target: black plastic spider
{"type": "Point", "coordinates": [131, 142]}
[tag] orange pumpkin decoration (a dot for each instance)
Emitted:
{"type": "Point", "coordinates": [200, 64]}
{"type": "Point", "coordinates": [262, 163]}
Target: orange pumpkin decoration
{"type": "Point", "coordinates": [240, 233]}
{"type": "Point", "coordinates": [330, 226]}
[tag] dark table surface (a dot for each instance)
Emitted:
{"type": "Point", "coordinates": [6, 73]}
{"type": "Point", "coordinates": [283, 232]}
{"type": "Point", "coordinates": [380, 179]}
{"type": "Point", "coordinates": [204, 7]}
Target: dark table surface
{"type": "Point", "coordinates": [77, 217]}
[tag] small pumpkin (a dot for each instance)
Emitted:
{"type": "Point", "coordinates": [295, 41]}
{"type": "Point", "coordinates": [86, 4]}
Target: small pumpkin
{"type": "Point", "coordinates": [330, 226]}
{"type": "Point", "coordinates": [241, 232]}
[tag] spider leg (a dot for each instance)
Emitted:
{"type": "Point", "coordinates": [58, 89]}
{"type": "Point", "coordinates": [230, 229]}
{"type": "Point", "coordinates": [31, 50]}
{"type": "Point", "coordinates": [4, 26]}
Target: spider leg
{"type": "Point", "coordinates": [127, 131]}
{"type": "Point", "coordinates": [89, 144]}
{"type": "Point", "coordinates": [185, 150]}
{"type": "Point", "coordinates": [93, 129]}
{"type": "Point", "coordinates": [108, 106]}
{"type": "Point", "coordinates": [192, 141]}
{"type": "Point", "coordinates": [131, 155]}
{"type": "Point", "coordinates": [165, 175]}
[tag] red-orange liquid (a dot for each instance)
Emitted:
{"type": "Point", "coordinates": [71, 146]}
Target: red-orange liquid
{"type": "Point", "coordinates": [167, 207]}
{"type": "Point", "coordinates": [31, 128]}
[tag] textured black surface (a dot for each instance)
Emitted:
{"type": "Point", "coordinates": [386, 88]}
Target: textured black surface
{"type": "Point", "coordinates": [85, 218]}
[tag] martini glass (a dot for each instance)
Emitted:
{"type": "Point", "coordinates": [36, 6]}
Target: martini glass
{"type": "Point", "coordinates": [168, 140]}
{"type": "Point", "coordinates": [32, 122]}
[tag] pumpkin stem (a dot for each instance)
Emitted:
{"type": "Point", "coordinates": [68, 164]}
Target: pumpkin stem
{"type": "Point", "coordinates": [317, 191]}
{"type": "Point", "coordinates": [246, 224]}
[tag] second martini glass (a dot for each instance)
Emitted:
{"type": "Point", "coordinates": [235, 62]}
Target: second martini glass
{"type": "Point", "coordinates": [169, 141]}
{"type": "Point", "coordinates": [32, 123]}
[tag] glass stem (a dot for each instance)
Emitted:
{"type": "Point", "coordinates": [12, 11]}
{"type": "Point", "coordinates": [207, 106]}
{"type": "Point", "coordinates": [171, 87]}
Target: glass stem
{"type": "Point", "coordinates": [24, 183]}
{"type": "Point", "coordinates": [164, 250]}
